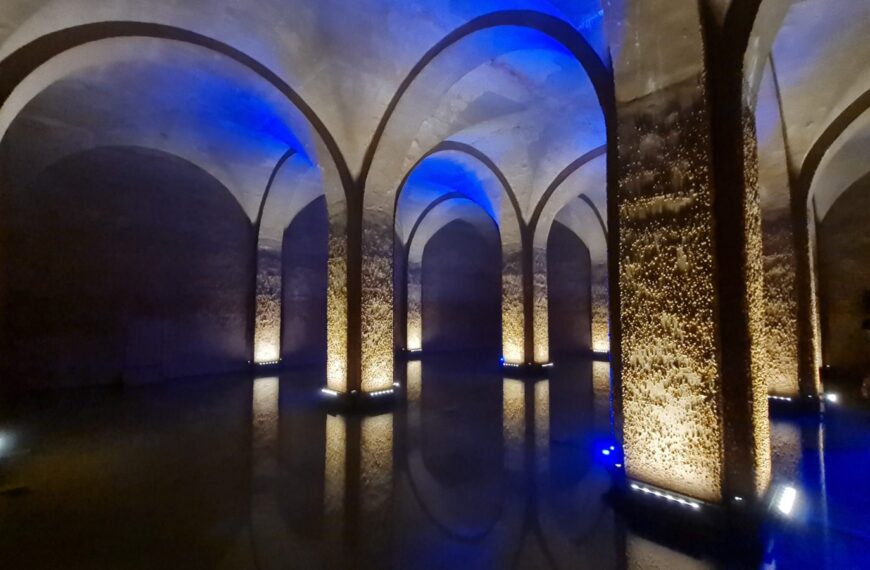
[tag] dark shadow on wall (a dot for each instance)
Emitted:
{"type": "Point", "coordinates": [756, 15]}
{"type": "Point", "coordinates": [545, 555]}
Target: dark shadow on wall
{"type": "Point", "coordinates": [461, 282]}
{"type": "Point", "coordinates": [123, 264]}
{"type": "Point", "coordinates": [844, 271]}
{"type": "Point", "coordinates": [569, 284]}
{"type": "Point", "coordinates": [305, 253]}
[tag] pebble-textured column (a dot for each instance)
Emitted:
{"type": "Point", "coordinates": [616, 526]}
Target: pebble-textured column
{"type": "Point", "coordinates": [377, 302]}
{"type": "Point", "coordinates": [267, 327]}
{"type": "Point", "coordinates": [690, 272]}
{"type": "Point", "coordinates": [336, 307]}
{"type": "Point", "coordinates": [677, 418]}
{"type": "Point", "coordinates": [512, 302]}
{"type": "Point", "coordinates": [415, 306]}
{"type": "Point", "coordinates": [780, 303]}
{"type": "Point", "coordinates": [540, 299]}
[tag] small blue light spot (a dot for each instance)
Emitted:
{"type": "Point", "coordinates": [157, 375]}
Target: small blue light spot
{"type": "Point", "coordinates": [605, 452]}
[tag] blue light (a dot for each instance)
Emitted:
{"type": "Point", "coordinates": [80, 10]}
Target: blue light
{"type": "Point", "coordinates": [440, 174]}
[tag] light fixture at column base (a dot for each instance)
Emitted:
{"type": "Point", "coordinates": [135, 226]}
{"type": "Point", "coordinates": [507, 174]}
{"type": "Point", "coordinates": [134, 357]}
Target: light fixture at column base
{"type": "Point", "coordinates": [794, 405]}
{"type": "Point", "coordinates": [357, 402]}
{"type": "Point", "coordinates": [267, 366]}
{"type": "Point", "coordinates": [411, 353]}
{"type": "Point", "coordinates": [731, 532]}
{"type": "Point", "coordinates": [526, 370]}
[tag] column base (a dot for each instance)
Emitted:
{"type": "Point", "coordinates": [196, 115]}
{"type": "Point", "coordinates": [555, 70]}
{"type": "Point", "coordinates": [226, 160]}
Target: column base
{"type": "Point", "coordinates": [785, 406]}
{"type": "Point", "coordinates": [409, 354]}
{"type": "Point", "coordinates": [526, 370]}
{"type": "Point", "coordinates": [269, 367]}
{"type": "Point", "coordinates": [731, 533]}
{"type": "Point", "coordinates": [360, 403]}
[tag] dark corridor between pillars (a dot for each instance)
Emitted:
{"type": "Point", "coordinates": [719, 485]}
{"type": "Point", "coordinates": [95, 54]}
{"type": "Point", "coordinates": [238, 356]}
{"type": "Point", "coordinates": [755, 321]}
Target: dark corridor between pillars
{"type": "Point", "coordinates": [461, 290]}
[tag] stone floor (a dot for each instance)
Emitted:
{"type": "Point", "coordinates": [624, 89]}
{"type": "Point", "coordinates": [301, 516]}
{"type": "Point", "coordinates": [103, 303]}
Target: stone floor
{"type": "Point", "coordinates": [472, 470]}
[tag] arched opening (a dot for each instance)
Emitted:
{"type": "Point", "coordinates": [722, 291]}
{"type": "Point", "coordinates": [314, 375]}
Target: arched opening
{"type": "Point", "coordinates": [461, 290]}
{"type": "Point", "coordinates": [844, 279]}
{"type": "Point", "coordinates": [569, 284]}
{"type": "Point", "coordinates": [123, 265]}
{"type": "Point", "coordinates": [305, 251]}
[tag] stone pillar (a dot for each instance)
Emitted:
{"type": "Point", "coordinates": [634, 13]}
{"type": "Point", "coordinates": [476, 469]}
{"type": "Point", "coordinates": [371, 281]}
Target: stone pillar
{"type": "Point", "coordinates": [513, 307]}
{"type": "Point", "coordinates": [689, 274]}
{"type": "Point", "coordinates": [790, 345]}
{"type": "Point", "coordinates": [415, 306]}
{"type": "Point", "coordinates": [267, 327]}
{"type": "Point", "coordinates": [540, 300]}
{"type": "Point", "coordinates": [376, 308]}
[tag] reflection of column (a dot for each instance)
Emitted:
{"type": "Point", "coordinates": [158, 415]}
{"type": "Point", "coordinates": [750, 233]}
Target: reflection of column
{"type": "Point", "coordinates": [267, 329]}
{"type": "Point", "coordinates": [600, 309]}
{"type": "Point", "coordinates": [335, 486]}
{"type": "Point", "coordinates": [786, 449]}
{"type": "Point", "coordinates": [694, 420]}
{"type": "Point", "coordinates": [512, 318]}
{"type": "Point", "coordinates": [514, 414]}
{"type": "Point", "coordinates": [641, 553]}
{"type": "Point", "coordinates": [265, 437]}
{"type": "Point", "coordinates": [376, 481]}
{"type": "Point", "coordinates": [541, 326]}
{"type": "Point", "coordinates": [601, 395]}
{"type": "Point", "coordinates": [415, 306]}
{"type": "Point", "coordinates": [542, 423]}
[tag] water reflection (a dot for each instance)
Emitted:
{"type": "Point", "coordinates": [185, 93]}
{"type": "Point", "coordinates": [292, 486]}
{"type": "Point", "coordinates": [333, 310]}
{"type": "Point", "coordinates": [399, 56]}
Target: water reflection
{"type": "Point", "coordinates": [470, 470]}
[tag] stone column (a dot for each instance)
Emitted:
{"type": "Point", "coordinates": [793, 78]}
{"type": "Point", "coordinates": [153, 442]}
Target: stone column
{"type": "Point", "coordinates": [512, 301]}
{"type": "Point", "coordinates": [540, 299]}
{"type": "Point", "coordinates": [415, 306]}
{"type": "Point", "coordinates": [694, 395]}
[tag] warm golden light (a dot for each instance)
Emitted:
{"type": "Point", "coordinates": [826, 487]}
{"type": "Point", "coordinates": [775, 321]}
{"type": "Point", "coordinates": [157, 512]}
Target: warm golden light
{"type": "Point", "coordinates": [336, 312]}
{"type": "Point", "coordinates": [415, 308]}
{"type": "Point", "coordinates": [540, 308]}
{"type": "Point", "coordinates": [267, 327]}
{"type": "Point", "coordinates": [514, 414]}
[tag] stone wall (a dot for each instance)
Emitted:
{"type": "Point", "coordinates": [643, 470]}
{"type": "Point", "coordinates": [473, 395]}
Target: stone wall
{"type": "Point", "coordinates": [123, 265]}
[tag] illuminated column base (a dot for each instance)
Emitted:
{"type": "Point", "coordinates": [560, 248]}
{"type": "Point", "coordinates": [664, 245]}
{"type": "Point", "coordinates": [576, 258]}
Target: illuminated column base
{"type": "Point", "coordinates": [356, 401]}
{"type": "Point", "coordinates": [526, 370]}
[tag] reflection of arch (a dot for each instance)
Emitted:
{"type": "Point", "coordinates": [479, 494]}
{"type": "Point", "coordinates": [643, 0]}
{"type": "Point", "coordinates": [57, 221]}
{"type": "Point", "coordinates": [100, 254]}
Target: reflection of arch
{"type": "Point", "coordinates": [419, 477]}
{"type": "Point", "coordinates": [512, 232]}
{"type": "Point", "coordinates": [19, 64]}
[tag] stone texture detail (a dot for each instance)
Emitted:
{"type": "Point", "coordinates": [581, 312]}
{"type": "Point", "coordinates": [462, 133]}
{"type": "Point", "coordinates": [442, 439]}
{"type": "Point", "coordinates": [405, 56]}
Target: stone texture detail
{"type": "Point", "coordinates": [513, 337]}
{"type": "Point", "coordinates": [780, 304]}
{"type": "Point", "coordinates": [671, 387]}
{"type": "Point", "coordinates": [415, 306]}
{"type": "Point", "coordinates": [541, 327]}
{"type": "Point", "coordinates": [336, 311]}
{"type": "Point", "coordinates": [377, 303]}
{"type": "Point", "coordinates": [755, 308]}
{"type": "Point", "coordinates": [267, 327]}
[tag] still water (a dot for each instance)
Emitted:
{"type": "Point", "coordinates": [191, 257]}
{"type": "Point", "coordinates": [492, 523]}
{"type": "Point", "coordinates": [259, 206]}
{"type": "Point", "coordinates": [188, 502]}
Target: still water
{"type": "Point", "coordinates": [470, 470]}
